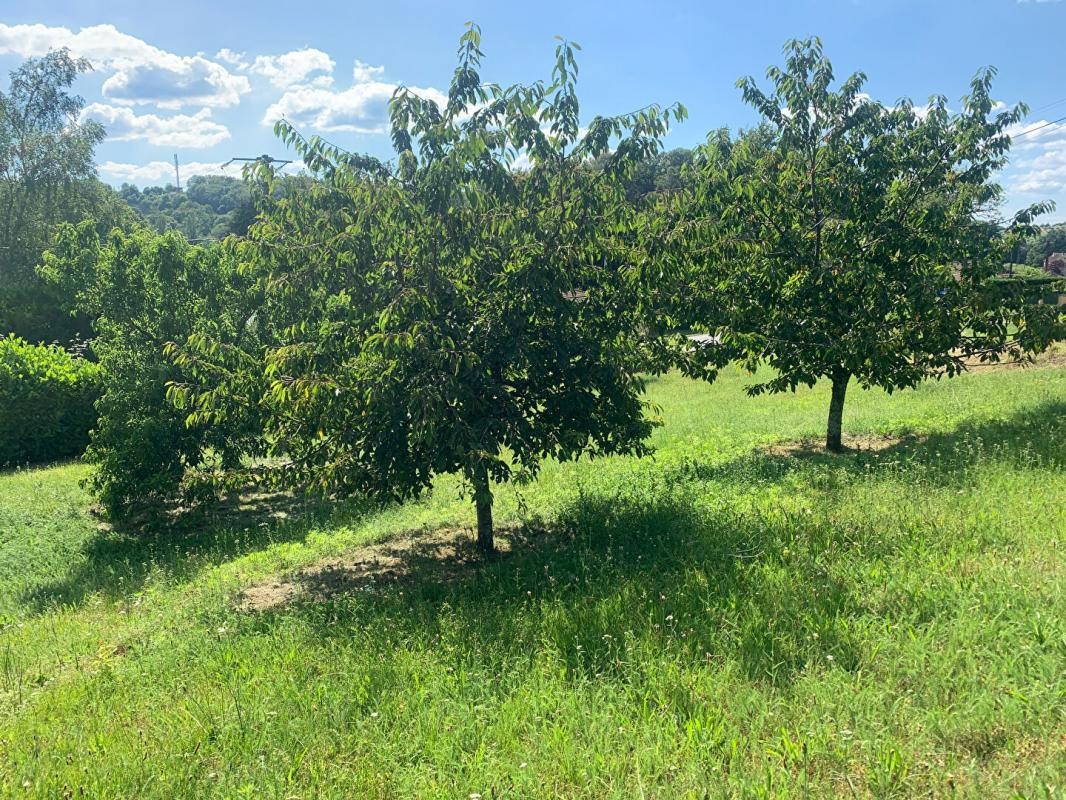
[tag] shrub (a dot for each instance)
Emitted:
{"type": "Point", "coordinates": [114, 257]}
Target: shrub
{"type": "Point", "coordinates": [143, 291]}
{"type": "Point", "coordinates": [47, 398]}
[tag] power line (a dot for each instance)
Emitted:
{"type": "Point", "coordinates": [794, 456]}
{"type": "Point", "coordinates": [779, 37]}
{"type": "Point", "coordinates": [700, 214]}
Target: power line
{"type": "Point", "coordinates": [1049, 105]}
{"type": "Point", "coordinates": [1039, 127]}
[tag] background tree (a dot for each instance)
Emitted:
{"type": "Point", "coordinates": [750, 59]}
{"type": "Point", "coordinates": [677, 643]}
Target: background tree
{"type": "Point", "coordinates": [661, 172]}
{"type": "Point", "coordinates": [851, 240]}
{"type": "Point", "coordinates": [451, 313]}
{"type": "Point", "coordinates": [210, 207]}
{"type": "Point", "coordinates": [1047, 239]}
{"type": "Point", "coordinates": [46, 177]}
{"type": "Point", "coordinates": [143, 291]}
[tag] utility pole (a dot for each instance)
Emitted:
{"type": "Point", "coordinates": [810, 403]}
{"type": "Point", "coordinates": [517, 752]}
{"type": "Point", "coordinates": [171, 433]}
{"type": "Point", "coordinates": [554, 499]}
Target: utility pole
{"type": "Point", "coordinates": [177, 175]}
{"type": "Point", "coordinates": [263, 159]}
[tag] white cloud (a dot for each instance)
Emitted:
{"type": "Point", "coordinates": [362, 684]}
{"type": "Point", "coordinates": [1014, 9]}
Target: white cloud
{"type": "Point", "coordinates": [1038, 166]}
{"type": "Point", "coordinates": [522, 162]}
{"type": "Point", "coordinates": [1036, 135]}
{"type": "Point", "coordinates": [181, 130]}
{"type": "Point", "coordinates": [362, 108]}
{"type": "Point", "coordinates": [230, 57]}
{"type": "Point", "coordinates": [162, 172]}
{"type": "Point", "coordinates": [362, 73]}
{"type": "Point", "coordinates": [1044, 174]}
{"type": "Point", "coordinates": [191, 81]}
{"type": "Point", "coordinates": [159, 171]}
{"type": "Point", "coordinates": [141, 73]}
{"type": "Point", "coordinates": [295, 68]}
{"type": "Point", "coordinates": [1043, 182]}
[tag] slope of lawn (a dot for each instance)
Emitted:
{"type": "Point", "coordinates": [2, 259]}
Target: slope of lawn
{"type": "Point", "coordinates": [721, 619]}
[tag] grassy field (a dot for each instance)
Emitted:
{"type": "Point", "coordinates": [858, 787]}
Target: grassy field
{"type": "Point", "coordinates": [722, 619]}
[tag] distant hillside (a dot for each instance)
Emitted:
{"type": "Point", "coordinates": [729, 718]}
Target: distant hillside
{"type": "Point", "coordinates": [1047, 240]}
{"type": "Point", "coordinates": [209, 207]}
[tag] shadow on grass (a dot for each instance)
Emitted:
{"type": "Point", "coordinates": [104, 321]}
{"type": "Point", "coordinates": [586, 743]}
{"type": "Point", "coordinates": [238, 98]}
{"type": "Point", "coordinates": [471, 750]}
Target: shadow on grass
{"type": "Point", "coordinates": [1031, 438]}
{"type": "Point", "coordinates": [656, 566]}
{"type": "Point", "coordinates": [610, 581]}
{"type": "Point", "coordinates": [119, 560]}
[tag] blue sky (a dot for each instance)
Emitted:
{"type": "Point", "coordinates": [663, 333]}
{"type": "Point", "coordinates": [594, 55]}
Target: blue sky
{"type": "Point", "coordinates": [204, 79]}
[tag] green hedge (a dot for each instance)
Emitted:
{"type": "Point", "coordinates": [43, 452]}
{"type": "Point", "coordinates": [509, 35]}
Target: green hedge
{"type": "Point", "coordinates": [46, 402]}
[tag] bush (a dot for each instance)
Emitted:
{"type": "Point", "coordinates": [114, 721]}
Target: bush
{"type": "Point", "coordinates": [144, 291]}
{"type": "Point", "coordinates": [47, 398]}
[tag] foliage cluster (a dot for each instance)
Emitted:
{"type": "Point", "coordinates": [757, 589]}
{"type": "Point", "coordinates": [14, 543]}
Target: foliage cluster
{"type": "Point", "coordinates": [47, 398]}
{"type": "Point", "coordinates": [843, 239]}
{"type": "Point", "coordinates": [144, 290]}
{"type": "Point", "coordinates": [660, 173]}
{"type": "Point", "coordinates": [209, 207]}
{"type": "Point", "coordinates": [47, 177]}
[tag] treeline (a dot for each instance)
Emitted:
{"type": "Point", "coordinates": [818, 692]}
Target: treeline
{"type": "Point", "coordinates": [209, 206]}
{"type": "Point", "coordinates": [47, 177]}
{"type": "Point", "coordinates": [1041, 243]}
{"type": "Point", "coordinates": [384, 322]}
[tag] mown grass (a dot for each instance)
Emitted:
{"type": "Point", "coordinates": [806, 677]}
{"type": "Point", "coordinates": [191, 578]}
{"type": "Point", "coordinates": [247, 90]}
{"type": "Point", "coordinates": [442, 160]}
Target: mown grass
{"type": "Point", "coordinates": [712, 621]}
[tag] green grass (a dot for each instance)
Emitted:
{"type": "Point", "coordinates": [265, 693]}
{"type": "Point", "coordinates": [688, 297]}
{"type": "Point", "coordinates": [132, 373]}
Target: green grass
{"type": "Point", "coordinates": [711, 621]}
{"type": "Point", "coordinates": [1025, 271]}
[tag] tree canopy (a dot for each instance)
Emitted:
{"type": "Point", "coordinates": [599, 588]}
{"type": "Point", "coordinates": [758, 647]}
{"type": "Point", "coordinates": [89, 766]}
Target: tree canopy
{"type": "Point", "coordinates": [448, 312]}
{"type": "Point", "coordinates": [210, 206]}
{"type": "Point", "coordinates": [847, 239]}
{"type": "Point", "coordinates": [47, 176]}
{"type": "Point", "coordinates": [661, 172]}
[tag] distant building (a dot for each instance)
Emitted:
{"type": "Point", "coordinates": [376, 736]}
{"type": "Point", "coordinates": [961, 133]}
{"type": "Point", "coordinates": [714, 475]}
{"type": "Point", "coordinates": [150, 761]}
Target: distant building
{"type": "Point", "coordinates": [1056, 264]}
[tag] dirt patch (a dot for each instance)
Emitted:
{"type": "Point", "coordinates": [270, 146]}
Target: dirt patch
{"type": "Point", "coordinates": [443, 555]}
{"type": "Point", "coordinates": [858, 443]}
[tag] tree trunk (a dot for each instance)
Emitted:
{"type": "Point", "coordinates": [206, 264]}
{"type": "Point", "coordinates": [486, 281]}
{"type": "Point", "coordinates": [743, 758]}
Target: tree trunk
{"type": "Point", "coordinates": [483, 503]}
{"type": "Point", "coordinates": [833, 441]}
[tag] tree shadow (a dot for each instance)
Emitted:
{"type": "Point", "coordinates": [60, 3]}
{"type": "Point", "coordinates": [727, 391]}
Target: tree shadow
{"type": "Point", "coordinates": [1033, 437]}
{"type": "Point", "coordinates": [119, 560]}
{"type": "Point", "coordinates": [654, 569]}
{"type": "Point", "coordinates": [610, 577]}
{"type": "Point", "coordinates": [406, 559]}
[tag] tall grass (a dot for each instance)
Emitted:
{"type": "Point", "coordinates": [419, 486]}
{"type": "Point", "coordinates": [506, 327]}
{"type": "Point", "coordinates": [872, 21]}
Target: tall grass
{"type": "Point", "coordinates": [715, 620]}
